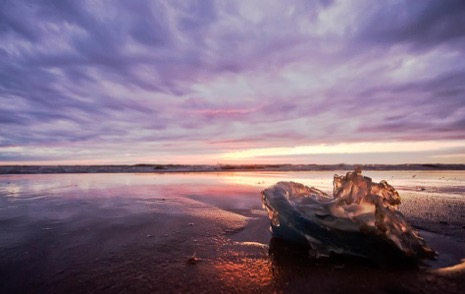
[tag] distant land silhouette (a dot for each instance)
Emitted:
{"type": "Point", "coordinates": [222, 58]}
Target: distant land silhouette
{"type": "Point", "coordinates": [164, 168]}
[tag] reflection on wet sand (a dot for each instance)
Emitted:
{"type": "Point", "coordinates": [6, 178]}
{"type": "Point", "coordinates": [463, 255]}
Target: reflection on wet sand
{"type": "Point", "coordinates": [294, 271]}
{"type": "Point", "coordinates": [135, 233]}
{"type": "Point", "coordinates": [244, 272]}
{"type": "Point", "coordinates": [287, 268]}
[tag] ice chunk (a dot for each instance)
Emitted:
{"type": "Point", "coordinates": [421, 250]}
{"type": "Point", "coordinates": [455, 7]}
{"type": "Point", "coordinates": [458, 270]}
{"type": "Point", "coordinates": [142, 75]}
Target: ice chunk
{"type": "Point", "coordinates": [360, 219]}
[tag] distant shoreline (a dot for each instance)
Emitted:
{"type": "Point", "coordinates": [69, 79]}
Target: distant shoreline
{"type": "Point", "coordinates": [167, 168]}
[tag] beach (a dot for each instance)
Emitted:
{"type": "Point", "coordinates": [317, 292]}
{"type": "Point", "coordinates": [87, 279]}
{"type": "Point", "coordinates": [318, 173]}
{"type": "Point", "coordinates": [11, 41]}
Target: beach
{"type": "Point", "coordinates": [205, 233]}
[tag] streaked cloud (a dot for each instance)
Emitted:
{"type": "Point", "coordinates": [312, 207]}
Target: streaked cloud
{"type": "Point", "coordinates": [194, 81]}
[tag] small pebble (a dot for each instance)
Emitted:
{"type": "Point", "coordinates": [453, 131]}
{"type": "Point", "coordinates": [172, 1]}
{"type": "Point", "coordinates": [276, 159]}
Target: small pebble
{"type": "Point", "coordinates": [193, 259]}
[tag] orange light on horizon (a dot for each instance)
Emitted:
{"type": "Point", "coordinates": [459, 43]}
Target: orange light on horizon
{"type": "Point", "coordinates": [345, 148]}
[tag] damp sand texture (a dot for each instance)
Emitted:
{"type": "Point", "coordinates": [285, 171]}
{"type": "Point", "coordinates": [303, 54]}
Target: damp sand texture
{"type": "Point", "coordinates": [204, 233]}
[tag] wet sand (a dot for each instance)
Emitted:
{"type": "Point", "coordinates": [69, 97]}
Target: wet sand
{"type": "Point", "coordinates": [205, 233]}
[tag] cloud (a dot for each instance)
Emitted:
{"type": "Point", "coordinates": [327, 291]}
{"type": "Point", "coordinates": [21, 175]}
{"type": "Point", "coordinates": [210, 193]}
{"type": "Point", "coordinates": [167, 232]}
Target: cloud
{"type": "Point", "coordinates": [422, 24]}
{"type": "Point", "coordinates": [92, 78]}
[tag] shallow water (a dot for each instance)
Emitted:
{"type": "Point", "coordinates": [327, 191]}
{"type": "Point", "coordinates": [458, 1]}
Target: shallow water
{"type": "Point", "coordinates": [138, 232]}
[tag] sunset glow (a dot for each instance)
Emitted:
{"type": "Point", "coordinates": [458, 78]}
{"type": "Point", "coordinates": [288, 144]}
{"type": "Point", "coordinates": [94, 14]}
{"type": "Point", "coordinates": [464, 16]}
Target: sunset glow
{"type": "Point", "coordinates": [207, 82]}
{"type": "Point", "coordinates": [348, 148]}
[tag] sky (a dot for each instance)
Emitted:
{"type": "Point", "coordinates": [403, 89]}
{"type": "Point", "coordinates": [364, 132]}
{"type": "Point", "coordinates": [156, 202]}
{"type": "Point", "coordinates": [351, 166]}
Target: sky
{"type": "Point", "coordinates": [208, 82]}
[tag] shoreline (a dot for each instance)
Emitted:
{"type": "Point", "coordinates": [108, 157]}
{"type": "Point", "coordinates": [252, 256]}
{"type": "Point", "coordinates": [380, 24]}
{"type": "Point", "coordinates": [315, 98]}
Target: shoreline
{"type": "Point", "coordinates": [145, 234]}
{"type": "Point", "coordinates": [178, 168]}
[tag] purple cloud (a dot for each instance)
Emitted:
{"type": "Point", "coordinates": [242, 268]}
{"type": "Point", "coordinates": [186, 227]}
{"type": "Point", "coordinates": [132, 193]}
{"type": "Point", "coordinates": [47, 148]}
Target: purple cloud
{"type": "Point", "coordinates": [99, 79]}
{"type": "Point", "coordinates": [424, 24]}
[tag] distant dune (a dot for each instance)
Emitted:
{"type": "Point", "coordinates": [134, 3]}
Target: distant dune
{"type": "Point", "coordinates": [163, 168]}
